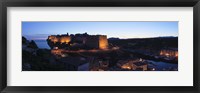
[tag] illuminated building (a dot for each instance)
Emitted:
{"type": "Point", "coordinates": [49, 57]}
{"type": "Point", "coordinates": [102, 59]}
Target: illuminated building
{"type": "Point", "coordinates": [90, 41]}
{"type": "Point", "coordinates": [97, 41]}
{"type": "Point", "coordinates": [57, 51]}
{"type": "Point", "coordinates": [65, 39]}
{"type": "Point", "coordinates": [103, 42]}
{"type": "Point", "coordinates": [61, 38]}
{"type": "Point", "coordinates": [53, 39]}
{"type": "Point", "coordinates": [169, 53]}
{"type": "Point", "coordinates": [137, 64]}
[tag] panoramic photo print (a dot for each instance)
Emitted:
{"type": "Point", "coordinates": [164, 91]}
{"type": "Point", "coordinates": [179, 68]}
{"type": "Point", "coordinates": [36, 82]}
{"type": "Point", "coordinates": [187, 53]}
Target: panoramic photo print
{"type": "Point", "coordinates": [99, 46]}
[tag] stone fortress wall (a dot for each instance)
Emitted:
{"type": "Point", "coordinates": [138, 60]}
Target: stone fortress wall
{"type": "Point", "coordinates": [92, 41]}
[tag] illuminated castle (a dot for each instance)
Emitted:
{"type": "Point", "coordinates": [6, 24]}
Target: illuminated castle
{"type": "Point", "coordinates": [97, 41]}
{"type": "Point", "coordinates": [61, 39]}
{"type": "Point", "coordinates": [78, 40]}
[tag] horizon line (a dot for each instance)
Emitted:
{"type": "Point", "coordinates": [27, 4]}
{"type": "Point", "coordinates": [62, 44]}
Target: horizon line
{"type": "Point", "coordinates": [109, 37]}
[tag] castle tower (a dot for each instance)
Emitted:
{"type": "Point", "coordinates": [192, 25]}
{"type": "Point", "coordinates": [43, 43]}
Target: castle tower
{"type": "Point", "coordinates": [97, 41]}
{"type": "Point", "coordinates": [103, 42]}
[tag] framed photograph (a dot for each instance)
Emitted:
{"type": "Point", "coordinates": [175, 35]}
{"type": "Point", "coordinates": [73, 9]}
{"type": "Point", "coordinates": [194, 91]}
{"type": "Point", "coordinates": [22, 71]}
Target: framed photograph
{"type": "Point", "coordinates": [100, 46]}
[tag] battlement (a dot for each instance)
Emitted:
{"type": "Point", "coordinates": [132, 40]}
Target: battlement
{"type": "Point", "coordinates": [90, 41]}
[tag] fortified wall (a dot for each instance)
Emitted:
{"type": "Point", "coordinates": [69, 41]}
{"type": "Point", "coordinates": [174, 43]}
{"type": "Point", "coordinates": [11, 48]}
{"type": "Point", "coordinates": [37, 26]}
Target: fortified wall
{"type": "Point", "coordinates": [97, 41]}
{"type": "Point", "coordinates": [60, 39]}
{"type": "Point", "coordinates": [78, 40]}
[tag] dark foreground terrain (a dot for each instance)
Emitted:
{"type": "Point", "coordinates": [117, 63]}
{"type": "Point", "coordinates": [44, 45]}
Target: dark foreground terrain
{"type": "Point", "coordinates": [132, 55]}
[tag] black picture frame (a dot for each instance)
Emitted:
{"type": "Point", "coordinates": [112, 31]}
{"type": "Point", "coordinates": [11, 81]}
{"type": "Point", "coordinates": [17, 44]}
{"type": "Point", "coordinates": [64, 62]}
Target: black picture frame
{"type": "Point", "coordinates": [98, 3]}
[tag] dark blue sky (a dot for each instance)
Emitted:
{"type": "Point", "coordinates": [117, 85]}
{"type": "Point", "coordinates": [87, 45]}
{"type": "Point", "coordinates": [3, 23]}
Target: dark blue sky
{"type": "Point", "coordinates": [40, 30]}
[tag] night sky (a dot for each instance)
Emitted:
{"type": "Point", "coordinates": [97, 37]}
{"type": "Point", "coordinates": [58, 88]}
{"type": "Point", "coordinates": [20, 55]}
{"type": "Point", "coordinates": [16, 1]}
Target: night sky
{"type": "Point", "coordinates": [123, 30]}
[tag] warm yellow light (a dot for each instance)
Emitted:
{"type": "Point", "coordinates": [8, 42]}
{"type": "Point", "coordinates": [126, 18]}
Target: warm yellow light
{"type": "Point", "coordinates": [65, 39]}
{"type": "Point", "coordinates": [176, 54]}
{"type": "Point", "coordinates": [103, 42]}
{"type": "Point", "coordinates": [126, 66]}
